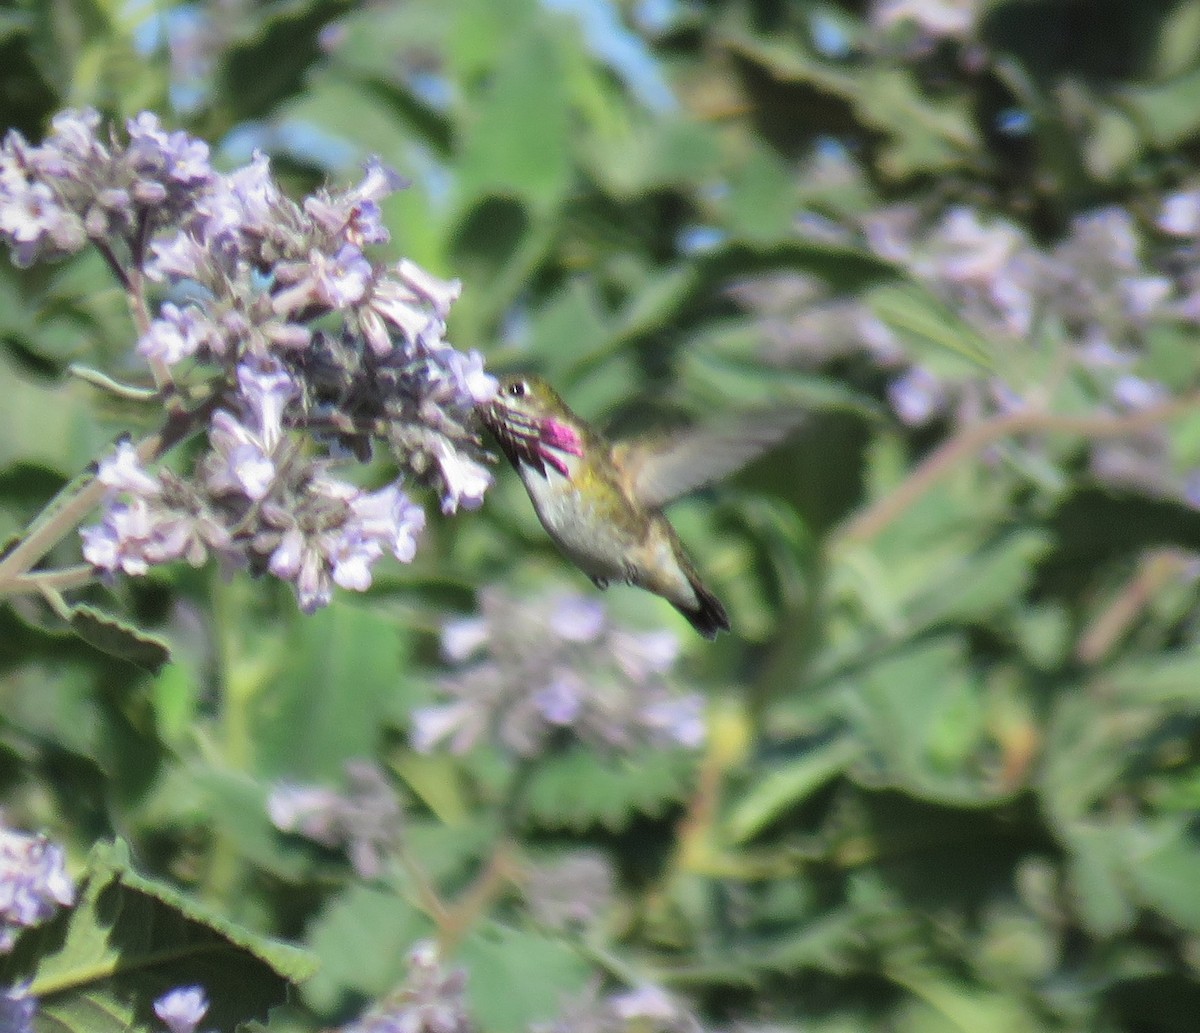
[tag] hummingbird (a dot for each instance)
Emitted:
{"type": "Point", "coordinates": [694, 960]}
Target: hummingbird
{"type": "Point", "coordinates": [602, 504]}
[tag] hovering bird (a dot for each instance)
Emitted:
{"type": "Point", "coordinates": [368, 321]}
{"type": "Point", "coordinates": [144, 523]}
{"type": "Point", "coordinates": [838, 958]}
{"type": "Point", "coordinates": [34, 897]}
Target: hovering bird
{"type": "Point", "coordinates": [602, 503]}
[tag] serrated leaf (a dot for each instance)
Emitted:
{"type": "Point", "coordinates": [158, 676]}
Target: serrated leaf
{"type": "Point", "coordinates": [362, 938]}
{"type": "Point", "coordinates": [922, 320]}
{"type": "Point", "coordinates": [919, 712]}
{"type": "Point", "coordinates": [580, 789]}
{"type": "Point", "coordinates": [114, 636]}
{"type": "Point", "coordinates": [786, 786]}
{"type": "Point", "coordinates": [987, 580]}
{"type": "Point", "coordinates": [99, 966]}
{"type": "Point", "coordinates": [343, 673]}
{"type": "Point", "coordinates": [519, 978]}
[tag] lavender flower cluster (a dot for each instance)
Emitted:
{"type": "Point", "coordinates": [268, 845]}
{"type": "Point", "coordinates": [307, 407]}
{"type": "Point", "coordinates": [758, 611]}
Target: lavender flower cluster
{"type": "Point", "coordinates": [573, 891]}
{"type": "Point", "coordinates": [647, 1008]}
{"type": "Point", "coordinates": [33, 883]}
{"type": "Point", "coordinates": [277, 332]}
{"type": "Point", "coordinates": [365, 820]}
{"type": "Point", "coordinates": [533, 671]}
{"type": "Point", "coordinates": [1100, 289]}
{"type": "Point", "coordinates": [433, 1000]}
{"type": "Point", "coordinates": [1102, 294]}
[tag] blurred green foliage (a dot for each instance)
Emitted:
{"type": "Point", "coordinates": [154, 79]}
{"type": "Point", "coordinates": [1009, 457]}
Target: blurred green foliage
{"type": "Point", "coordinates": [953, 775]}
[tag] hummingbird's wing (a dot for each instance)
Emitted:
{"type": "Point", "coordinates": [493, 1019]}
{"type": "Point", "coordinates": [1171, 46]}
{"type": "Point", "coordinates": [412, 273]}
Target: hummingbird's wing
{"type": "Point", "coordinates": [660, 470]}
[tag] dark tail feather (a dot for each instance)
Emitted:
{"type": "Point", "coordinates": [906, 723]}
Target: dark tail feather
{"type": "Point", "coordinates": [709, 616]}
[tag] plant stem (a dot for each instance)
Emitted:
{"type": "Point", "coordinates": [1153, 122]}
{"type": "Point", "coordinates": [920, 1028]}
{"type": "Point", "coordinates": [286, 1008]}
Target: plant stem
{"type": "Point", "coordinates": [975, 438]}
{"type": "Point", "coordinates": [70, 506]}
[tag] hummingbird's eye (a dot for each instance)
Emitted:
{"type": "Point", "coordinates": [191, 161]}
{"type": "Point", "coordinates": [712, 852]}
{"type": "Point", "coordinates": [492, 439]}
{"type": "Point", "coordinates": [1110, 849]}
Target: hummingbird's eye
{"type": "Point", "coordinates": [517, 388]}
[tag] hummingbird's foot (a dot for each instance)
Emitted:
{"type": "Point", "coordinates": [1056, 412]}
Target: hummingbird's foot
{"type": "Point", "coordinates": [600, 582]}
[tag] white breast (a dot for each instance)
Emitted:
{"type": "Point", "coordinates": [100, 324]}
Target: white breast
{"type": "Point", "coordinates": [590, 540]}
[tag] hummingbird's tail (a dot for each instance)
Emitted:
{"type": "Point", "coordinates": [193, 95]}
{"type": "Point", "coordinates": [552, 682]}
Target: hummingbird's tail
{"type": "Point", "coordinates": [708, 616]}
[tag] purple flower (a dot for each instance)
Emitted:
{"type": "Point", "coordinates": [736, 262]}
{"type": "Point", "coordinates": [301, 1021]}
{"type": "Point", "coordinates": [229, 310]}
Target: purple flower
{"type": "Point", "coordinates": [537, 668]}
{"type": "Point", "coordinates": [297, 559]}
{"type": "Point", "coordinates": [356, 529]}
{"type": "Point", "coordinates": [241, 203]}
{"type": "Point", "coordinates": [1180, 215]}
{"type": "Point", "coordinates": [438, 293]}
{"type": "Point", "coordinates": [1144, 295]}
{"type": "Point", "coordinates": [33, 883]}
{"type": "Point", "coordinates": [325, 282]}
{"type": "Point", "coordinates": [432, 1000]}
{"type": "Point", "coordinates": [462, 723]}
{"type": "Point", "coordinates": [33, 220]}
{"type": "Point", "coordinates": [463, 637]}
{"type": "Point", "coordinates": [578, 618]}
{"type": "Point", "coordinates": [16, 1011]}
{"type": "Point", "coordinates": [175, 156]}
{"type": "Point", "coordinates": [646, 1002]}
{"type": "Point", "coordinates": [366, 819]}
{"type": "Point", "coordinates": [390, 517]}
{"type": "Point", "coordinates": [182, 1009]}
{"type": "Point", "coordinates": [281, 295]}
{"type": "Point", "coordinates": [178, 257]}
{"type": "Point", "coordinates": [679, 720]}
{"type": "Point", "coordinates": [307, 810]}
{"type": "Point", "coordinates": [392, 302]}
{"type": "Point", "coordinates": [413, 301]}
{"type": "Point", "coordinates": [917, 396]}
{"type": "Point", "coordinates": [123, 471]}
{"type": "Point", "coordinates": [472, 385]}
{"type": "Point", "coordinates": [355, 214]}
{"type": "Point", "coordinates": [646, 653]}
{"type": "Point", "coordinates": [121, 540]}
{"type": "Point", "coordinates": [178, 334]}
{"type": "Point", "coordinates": [940, 19]}
{"type": "Point", "coordinates": [1191, 489]}
{"type": "Point", "coordinates": [561, 701]}
{"type": "Point", "coordinates": [1134, 392]}
{"type": "Point", "coordinates": [380, 520]}
{"type": "Point", "coordinates": [266, 392]}
{"type": "Point", "coordinates": [74, 134]}
{"type": "Point", "coordinates": [239, 461]}
{"type": "Point", "coordinates": [144, 531]}
{"type": "Point", "coordinates": [464, 481]}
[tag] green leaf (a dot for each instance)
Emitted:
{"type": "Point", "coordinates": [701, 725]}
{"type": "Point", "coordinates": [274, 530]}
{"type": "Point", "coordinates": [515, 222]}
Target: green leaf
{"type": "Point", "coordinates": [922, 321]}
{"type": "Point", "coordinates": [1162, 865]}
{"type": "Point", "coordinates": [1099, 887]}
{"type": "Point", "coordinates": [99, 966]}
{"type": "Point", "coordinates": [940, 1004]}
{"type": "Point", "coordinates": [1169, 113]}
{"type": "Point", "coordinates": [989, 579]}
{"type": "Point", "coordinates": [920, 712]}
{"type": "Point", "coordinates": [788, 785]}
{"type": "Point", "coordinates": [519, 978]}
{"type": "Point", "coordinates": [654, 156]}
{"type": "Point", "coordinates": [922, 133]}
{"type": "Point", "coordinates": [580, 789]}
{"type": "Point", "coordinates": [345, 670]}
{"type": "Point", "coordinates": [517, 142]}
{"type": "Point", "coordinates": [118, 638]}
{"type": "Point", "coordinates": [362, 939]}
